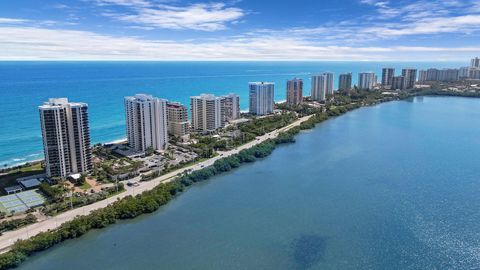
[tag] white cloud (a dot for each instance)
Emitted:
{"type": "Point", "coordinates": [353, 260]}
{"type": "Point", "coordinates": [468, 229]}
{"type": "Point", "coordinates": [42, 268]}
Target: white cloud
{"type": "Point", "coordinates": [135, 3]}
{"type": "Point", "coordinates": [200, 16]}
{"type": "Point", "coordinates": [28, 43]}
{"type": "Point", "coordinates": [414, 10]}
{"type": "Point", "coordinates": [12, 21]}
{"type": "Point", "coordinates": [458, 24]}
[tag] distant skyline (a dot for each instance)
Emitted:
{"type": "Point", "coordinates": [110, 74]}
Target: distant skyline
{"type": "Point", "coordinates": [340, 30]}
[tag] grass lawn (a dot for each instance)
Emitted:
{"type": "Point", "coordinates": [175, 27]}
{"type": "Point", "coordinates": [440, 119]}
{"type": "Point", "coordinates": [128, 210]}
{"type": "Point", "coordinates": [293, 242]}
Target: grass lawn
{"type": "Point", "coordinates": [85, 186]}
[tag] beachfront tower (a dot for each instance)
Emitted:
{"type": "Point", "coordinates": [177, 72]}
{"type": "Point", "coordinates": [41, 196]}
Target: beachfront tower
{"type": "Point", "coordinates": [177, 119]}
{"type": "Point", "coordinates": [230, 107]}
{"type": "Point", "coordinates": [322, 85]}
{"type": "Point", "coordinates": [410, 75]}
{"type": "Point", "coordinates": [475, 63]}
{"type": "Point", "coordinates": [367, 80]}
{"type": "Point", "coordinates": [294, 91]}
{"type": "Point", "coordinates": [146, 119]}
{"type": "Point", "coordinates": [261, 97]}
{"type": "Point", "coordinates": [398, 83]}
{"type": "Point", "coordinates": [206, 112]}
{"type": "Point", "coordinates": [387, 77]}
{"type": "Point", "coordinates": [66, 137]}
{"type": "Point", "coordinates": [345, 82]}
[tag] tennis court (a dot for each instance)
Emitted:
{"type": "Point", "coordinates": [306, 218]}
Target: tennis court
{"type": "Point", "coordinates": [21, 202]}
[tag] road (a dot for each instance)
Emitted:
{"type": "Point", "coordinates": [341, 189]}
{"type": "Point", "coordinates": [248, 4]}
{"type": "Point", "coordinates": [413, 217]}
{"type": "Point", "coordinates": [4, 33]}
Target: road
{"type": "Point", "coordinates": [10, 237]}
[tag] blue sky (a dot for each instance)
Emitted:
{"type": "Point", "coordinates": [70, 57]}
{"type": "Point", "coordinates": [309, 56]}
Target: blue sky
{"type": "Point", "coordinates": [375, 30]}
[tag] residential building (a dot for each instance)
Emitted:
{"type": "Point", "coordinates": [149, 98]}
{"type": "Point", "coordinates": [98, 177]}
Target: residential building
{"type": "Point", "coordinates": [464, 72]}
{"type": "Point", "coordinates": [474, 74]}
{"type": "Point", "coordinates": [422, 76]}
{"type": "Point", "coordinates": [206, 112]}
{"type": "Point", "coordinates": [444, 75]}
{"type": "Point", "coordinates": [387, 77]}
{"type": "Point", "coordinates": [398, 83]}
{"type": "Point", "coordinates": [230, 107]}
{"type": "Point", "coordinates": [366, 80]}
{"type": "Point", "coordinates": [322, 85]}
{"type": "Point", "coordinates": [448, 75]}
{"type": "Point", "coordinates": [66, 137]}
{"type": "Point", "coordinates": [146, 121]}
{"type": "Point", "coordinates": [294, 91]}
{"type": "Point", "coordinates": [177, 119]}
{"type": "Point", "coordinates": [345, 81]}
{"type": "Point", "coordinates": [261, 96]}
{"type": "Point", "coordinates": [475, 63]}
{"type": "Point", "coordinates": [432, 74]}
{"type": "Point", "coordinates": [410, 75]}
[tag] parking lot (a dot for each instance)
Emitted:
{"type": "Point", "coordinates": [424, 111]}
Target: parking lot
{"type": "Point", "coordinates": [172, 157]}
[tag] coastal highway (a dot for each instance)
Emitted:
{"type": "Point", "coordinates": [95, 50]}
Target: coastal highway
{"type": "Point", "coordinates": [10, 237]}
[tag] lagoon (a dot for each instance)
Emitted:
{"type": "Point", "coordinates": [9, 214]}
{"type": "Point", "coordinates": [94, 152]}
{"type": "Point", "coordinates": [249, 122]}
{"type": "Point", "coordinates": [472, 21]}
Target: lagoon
{"type": "Point", "coordinates": [394, 186]}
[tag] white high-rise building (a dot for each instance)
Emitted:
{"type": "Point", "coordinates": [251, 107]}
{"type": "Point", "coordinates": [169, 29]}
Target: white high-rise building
{"type": "Point", "coordinates": [146, 118]}
{"type": "Point", "coordinates": [387, 77]}
{"type": "Point", "coordinates": [322, 85]}
{"type": "Point", "coordinates": [207, 115]}
{"type": "Point", "coordinates": [475, 63]}
{"type": "Point", "coordinates": [66, 137]}
{"type": "Point", "coordinates": [345, 81]}
{"type": "Point", "coordinates": [261, 97]}
{"type": "Point", "coordinates": [367, 80]}
{"type": "Point", "coordinates": [422, 75]}
{"type": "Point", "coordinates": [398, 83]}
{"type": "Point", "coordinates": [474, 73]}
{"type": "Point", "coordinates": [230, 107]}
{"type": "Point", "coordinates": [410, 75]}
{"type": "Point", "coordinates": [464, 72]}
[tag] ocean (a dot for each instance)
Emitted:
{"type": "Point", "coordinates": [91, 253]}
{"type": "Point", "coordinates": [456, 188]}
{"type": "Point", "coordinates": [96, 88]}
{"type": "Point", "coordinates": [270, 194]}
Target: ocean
{"type": "Point", "coordinates": [26, 85]}
{"type": "Point", "coordinates": [393, 186]}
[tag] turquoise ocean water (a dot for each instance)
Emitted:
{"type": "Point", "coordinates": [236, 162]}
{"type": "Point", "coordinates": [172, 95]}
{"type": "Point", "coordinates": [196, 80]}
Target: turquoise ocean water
{"type": "Point", "coordinates": [394, 186]}
{"type": "Point", "coordinates": [26, 85]}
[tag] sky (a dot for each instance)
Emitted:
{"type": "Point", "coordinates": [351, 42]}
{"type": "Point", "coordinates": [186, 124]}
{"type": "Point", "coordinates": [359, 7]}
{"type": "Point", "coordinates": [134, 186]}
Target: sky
{"type": "Point", "coordinates": [327, 30]}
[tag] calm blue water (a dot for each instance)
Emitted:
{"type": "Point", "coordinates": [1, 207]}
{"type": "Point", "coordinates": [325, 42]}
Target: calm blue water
{"type": "Point", "coordinates": [395, 186]}
{"type": "Point", "coordinates": [26, 85]}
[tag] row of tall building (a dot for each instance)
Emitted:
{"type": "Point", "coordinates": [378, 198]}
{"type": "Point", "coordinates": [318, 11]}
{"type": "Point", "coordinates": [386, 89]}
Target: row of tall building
{"type": "Point", "coordinates": [452, 74]}
{"type": "Point", "coordinates": [150, 120]}
{"type": "Point", "coordinates": [404, 81]}
{"type": "Point", "coordinates": [322, 85]}
{"type": "Point", "coordinates": [149, 123]}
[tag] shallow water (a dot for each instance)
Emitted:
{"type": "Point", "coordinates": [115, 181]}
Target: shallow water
{"type": "Point", "coordinates": [394, 186]}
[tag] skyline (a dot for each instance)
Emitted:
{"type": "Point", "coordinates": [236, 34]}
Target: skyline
{"type": "Point", "coordinates": [358, 30]}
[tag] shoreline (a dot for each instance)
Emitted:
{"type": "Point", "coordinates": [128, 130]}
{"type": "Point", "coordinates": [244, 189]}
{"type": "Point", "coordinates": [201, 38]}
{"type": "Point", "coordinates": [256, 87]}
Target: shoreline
{"type": "Point", "coordinates": [422, 92]}
{"type": "Point", "coordinates": [29, 240]}
{"type": "Point", "coordinates": [8, 239]}
{"type": "Point", "coordinates": [33, 161]}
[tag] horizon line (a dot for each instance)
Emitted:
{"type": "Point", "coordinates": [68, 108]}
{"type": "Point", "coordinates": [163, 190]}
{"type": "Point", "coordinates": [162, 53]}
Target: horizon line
{"type": "Point", "coordinates": [225, 60]}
